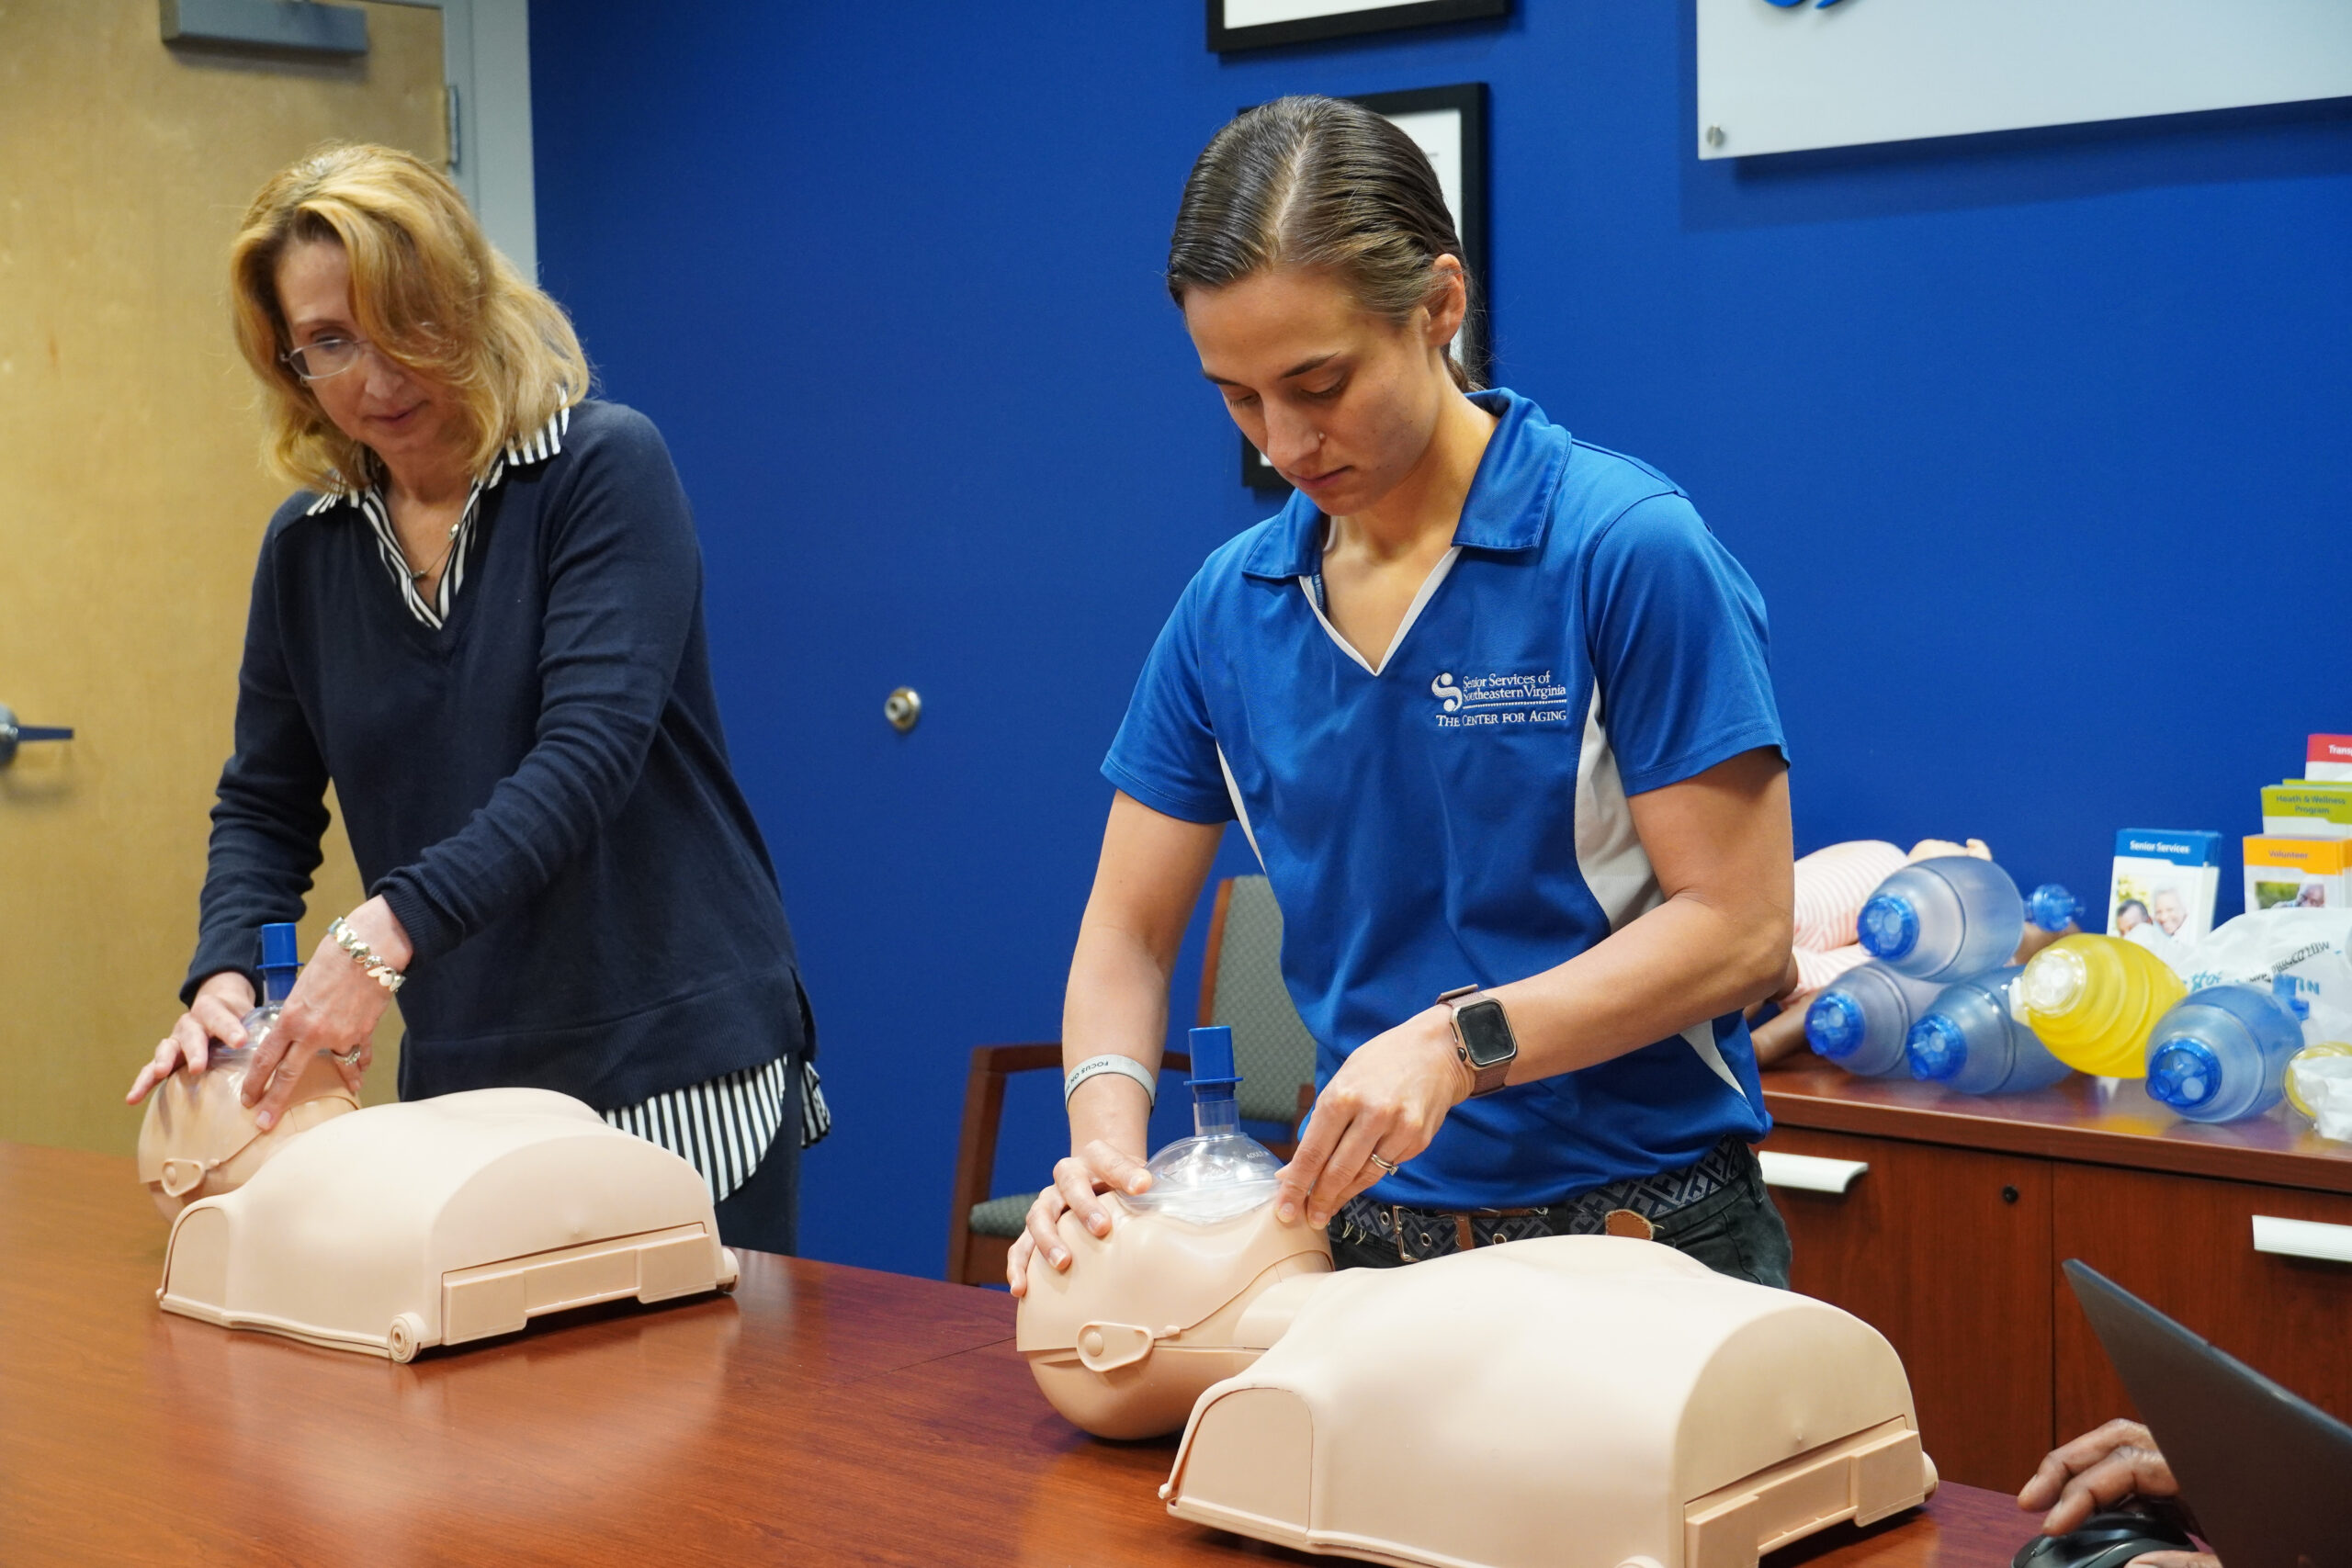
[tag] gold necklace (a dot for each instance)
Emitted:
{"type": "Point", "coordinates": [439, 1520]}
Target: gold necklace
{"type": "Point", "coordinates": [418, 574]}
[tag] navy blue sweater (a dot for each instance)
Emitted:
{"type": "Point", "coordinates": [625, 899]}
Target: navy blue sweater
{"type": "Point", "coordinates": [540, 788]}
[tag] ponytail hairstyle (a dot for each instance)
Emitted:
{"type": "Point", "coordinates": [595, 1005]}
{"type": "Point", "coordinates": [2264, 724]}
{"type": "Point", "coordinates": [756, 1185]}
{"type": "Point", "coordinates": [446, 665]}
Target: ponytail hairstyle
{"type": "Point", "coordinates": [1319, 183]}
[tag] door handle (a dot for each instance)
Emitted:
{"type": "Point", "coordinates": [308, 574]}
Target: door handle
{"type": "Point", "coordinates": [1810, 1173]}
{"type": "Point", "coordinates": [13, 734]}
{"type": "Point", "coordinates": [2302, 1238]}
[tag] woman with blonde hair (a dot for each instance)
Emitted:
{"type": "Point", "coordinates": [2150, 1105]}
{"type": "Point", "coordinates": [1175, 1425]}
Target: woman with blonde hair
{"type": "Point", "coordinates": [480, 617]}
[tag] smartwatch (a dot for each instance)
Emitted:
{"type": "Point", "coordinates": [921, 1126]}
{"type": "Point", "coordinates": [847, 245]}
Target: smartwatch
{"type": "Point", "coordinates": [1482, 1038]}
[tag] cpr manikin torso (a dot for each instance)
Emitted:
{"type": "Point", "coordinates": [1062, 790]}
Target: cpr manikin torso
{"type": "Point", "coordinates": [1577, 1401]}
{"type": "Point", "coordinates": [399, 1227]}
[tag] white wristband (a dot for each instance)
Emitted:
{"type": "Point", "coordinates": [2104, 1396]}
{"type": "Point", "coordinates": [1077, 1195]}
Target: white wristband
{"type": "Point", "coordinates": [1095, 1066]}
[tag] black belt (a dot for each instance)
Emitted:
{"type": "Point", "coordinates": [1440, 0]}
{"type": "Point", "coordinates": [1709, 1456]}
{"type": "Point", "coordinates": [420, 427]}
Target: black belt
{"type": "Point", "coordinates": [1627, 1207]}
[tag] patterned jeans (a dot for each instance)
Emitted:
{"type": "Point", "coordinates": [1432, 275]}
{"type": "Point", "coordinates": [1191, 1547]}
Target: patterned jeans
{"type": "Point", "coordinates": [1717, 1211]}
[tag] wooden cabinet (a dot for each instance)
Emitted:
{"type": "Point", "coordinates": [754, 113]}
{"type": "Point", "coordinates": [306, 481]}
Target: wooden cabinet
{"type": "Point", "coordinates": [2185, 1246]}
{"type": "Point", "coordinates": [1951, 1244]}
{"type": "Point", "coordinates": [1963, 1295]}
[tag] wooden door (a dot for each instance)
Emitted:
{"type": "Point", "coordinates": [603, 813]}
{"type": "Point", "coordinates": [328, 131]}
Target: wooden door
{"type": "Point", "coordinates": [2185, 1246]}
{"type": "Point", "coordinates": [132, 505]}
{"type": "Point", "coordinates": [1946, 1253]}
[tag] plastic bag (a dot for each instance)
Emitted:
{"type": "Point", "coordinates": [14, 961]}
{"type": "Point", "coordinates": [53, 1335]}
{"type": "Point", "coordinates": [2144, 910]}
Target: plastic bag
{"type": "Point", "coordinates": [2306, 947]}
{"type": "Point", "coordinates": [2324, 1083]}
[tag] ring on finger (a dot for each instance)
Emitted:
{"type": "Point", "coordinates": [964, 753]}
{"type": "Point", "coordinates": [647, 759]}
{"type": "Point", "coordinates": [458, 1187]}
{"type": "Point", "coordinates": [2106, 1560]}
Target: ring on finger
{"type": "Point", "coordinates": [1387, 1167]}
{"type": "Point", "coordinates": [350, 1058]}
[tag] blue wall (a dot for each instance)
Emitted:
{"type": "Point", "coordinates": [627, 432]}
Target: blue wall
{"type": "Point", "coordinates": [2036, 442]}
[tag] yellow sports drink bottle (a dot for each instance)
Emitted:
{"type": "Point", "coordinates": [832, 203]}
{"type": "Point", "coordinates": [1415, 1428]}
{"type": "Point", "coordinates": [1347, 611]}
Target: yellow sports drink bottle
{"type": "Point", "coordinates": [2093, 999]}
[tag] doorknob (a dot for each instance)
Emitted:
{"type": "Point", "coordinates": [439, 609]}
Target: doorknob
{"type": "Point", "coordinates": [13, 734]}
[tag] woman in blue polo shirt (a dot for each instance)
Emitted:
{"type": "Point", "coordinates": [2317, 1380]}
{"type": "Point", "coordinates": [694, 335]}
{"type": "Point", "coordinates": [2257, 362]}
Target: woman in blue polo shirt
{"type": "Point", "coordinates": [1494, 710]}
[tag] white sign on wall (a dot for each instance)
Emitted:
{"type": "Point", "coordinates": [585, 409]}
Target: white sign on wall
{"type": "Point", "coordinates": [1782, 76]}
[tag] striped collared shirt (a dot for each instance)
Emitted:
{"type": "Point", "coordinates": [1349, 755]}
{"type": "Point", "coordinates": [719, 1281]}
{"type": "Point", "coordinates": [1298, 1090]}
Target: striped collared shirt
{"type": "Point", "coordinates": [723, 1127]}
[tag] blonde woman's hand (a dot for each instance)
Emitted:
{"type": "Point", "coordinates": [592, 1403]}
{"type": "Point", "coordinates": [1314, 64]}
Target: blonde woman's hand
{"type": "Point", "coordinates": [217, 1012]}
{"type": "Point", "coordinates": [334, 1007]}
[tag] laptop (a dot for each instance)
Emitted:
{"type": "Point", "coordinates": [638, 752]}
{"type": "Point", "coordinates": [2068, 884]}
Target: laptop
{"type": "Point", "coordinates": [2267, 1474]}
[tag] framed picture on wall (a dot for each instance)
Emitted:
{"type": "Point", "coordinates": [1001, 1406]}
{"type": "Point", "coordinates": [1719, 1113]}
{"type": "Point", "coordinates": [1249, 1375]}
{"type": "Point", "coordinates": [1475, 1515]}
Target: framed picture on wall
{"type": "Point", "coordinates": [1260, 24]}
{"type": "Point", "coordinates": [1450, 125]}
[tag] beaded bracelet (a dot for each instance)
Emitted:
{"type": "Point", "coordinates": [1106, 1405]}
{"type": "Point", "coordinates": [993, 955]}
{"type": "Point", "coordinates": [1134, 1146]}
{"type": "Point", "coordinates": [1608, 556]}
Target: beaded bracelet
{"type": "Point", "coordinates": [365, 956]}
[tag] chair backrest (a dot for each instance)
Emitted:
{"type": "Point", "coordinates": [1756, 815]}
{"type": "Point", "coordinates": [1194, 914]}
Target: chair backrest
{"type": "Point", "coordinates": [1241, 987]}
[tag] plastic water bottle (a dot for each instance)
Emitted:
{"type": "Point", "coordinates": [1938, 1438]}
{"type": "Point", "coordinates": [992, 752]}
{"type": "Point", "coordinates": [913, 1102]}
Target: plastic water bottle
{"type": "Point", "coordinates": [2221, 1053]}
{"type": "Point", "coordinates": [279, 966]}
{"type": "Point", "coordinates": [2093, 1001]}
{"type": "Point", "coordinates": [1945, 919]}
{"type": "Point", "coordinates": [1861, 1019]}
{"type": "Point", "coordinates": [1969, 1040]}
{"type": "Point", "coordinates": [1220, 1171]}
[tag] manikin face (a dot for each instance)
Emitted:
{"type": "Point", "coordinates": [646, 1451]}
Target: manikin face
{"type": "Point", "coordinates": [2170, 911]}
{"type": "Point", "coordinates": [406, 419]}
{"type": "Point", "coordinates": [1342, 401]}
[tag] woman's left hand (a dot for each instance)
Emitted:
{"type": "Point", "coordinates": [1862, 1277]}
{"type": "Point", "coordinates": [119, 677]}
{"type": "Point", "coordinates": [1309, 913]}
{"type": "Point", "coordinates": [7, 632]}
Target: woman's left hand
{"type": "Point", "coordinates": [334, 1007]}
{"type": "Point", "coordinates": [1389, 1099]}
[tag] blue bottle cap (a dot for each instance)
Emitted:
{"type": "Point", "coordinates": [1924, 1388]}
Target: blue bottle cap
{"type": "Point", "coordinates": [278, 947]}
{"type": "Point", "coordinates": [1889, 927]}
{"type": "Point", "coordinates": [1936, 1049]}
{"type": "Point", "coordinates": [2182, 1072]}
{"type": "Point", "coordinates": [1834, 1025]}
{"type": "Point", "coordinates": [1212, 1050]}
{"type": "Point", "coordinates": [2050, 906]}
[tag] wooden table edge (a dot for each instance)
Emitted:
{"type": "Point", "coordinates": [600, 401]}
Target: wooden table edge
{"type": "Point", "coordinates": [1793, 1107]}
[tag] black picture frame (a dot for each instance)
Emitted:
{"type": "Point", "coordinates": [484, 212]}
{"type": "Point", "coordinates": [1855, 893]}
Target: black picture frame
{"type": "Point", "coordinates": [1468, 101]}
{"type": "Point", "coordinates": [1225, 39]}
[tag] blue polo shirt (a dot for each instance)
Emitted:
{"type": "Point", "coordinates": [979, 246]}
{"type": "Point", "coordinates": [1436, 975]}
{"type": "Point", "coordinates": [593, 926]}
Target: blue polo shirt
{"type": "Point", "coordinates": [1459, 813]}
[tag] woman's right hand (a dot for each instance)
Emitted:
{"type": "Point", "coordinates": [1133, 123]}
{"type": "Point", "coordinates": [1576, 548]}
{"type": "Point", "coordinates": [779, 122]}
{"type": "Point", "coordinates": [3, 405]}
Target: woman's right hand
{"type": "Point", "coordinates": [217, 1013]}
{"type": "Point", "coordinates": [1097, 1168]}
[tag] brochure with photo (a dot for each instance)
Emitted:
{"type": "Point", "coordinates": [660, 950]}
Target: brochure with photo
{"type": "Point", "coordinates": [2166, 878]}
{"type": "Point", "coordinates": [2307, 873]}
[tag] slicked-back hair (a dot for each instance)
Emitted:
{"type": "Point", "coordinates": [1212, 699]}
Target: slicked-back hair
{"type": "Point", "coordinates": [1317, 184]}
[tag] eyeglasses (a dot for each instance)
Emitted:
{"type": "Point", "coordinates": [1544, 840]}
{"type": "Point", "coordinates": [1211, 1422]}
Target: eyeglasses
{"type": "Point", "coordinates": [328, 356]}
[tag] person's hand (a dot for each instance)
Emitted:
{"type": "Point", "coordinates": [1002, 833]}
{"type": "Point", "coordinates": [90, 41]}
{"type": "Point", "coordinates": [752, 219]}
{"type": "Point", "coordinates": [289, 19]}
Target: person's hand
{"type": "Point", "coordinates": [1779, 1036]}
{"type": "Point", "coordinates": [333, 1008]}
{"type": "Point", "coordinates": [217, 1012]}
{"type": "Point", "coordinates": [1389, 1099]}
{"type": "Point", "coordinates": [2097, 1471]}
{"type": "Point", "coordinates": [1096, 1169]}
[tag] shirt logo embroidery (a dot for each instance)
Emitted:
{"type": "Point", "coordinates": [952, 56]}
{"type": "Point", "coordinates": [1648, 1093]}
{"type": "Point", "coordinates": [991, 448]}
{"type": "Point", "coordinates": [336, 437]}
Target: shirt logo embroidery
{"type": "Point", "coordinates": [1498, 698]}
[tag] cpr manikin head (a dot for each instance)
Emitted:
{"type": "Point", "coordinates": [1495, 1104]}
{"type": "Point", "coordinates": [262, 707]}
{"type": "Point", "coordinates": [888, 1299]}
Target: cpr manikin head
{"type": "Point", "coordinates": [200, 1139]}
{"type": "Point", "coordinates": [1143, 1319]}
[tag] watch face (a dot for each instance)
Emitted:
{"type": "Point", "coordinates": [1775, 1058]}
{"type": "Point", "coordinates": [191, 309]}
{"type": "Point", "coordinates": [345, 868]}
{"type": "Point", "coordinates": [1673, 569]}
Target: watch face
{"type": "Point", "coordinates": [1486, 1033]}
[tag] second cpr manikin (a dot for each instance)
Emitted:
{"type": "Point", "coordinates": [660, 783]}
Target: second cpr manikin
{"type": "Point", "coordinates": [1577, 1401]}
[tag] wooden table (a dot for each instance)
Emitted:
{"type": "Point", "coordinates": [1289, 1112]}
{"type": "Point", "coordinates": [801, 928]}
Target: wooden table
{"type": "Point", "coordinates": [820, 1415]}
